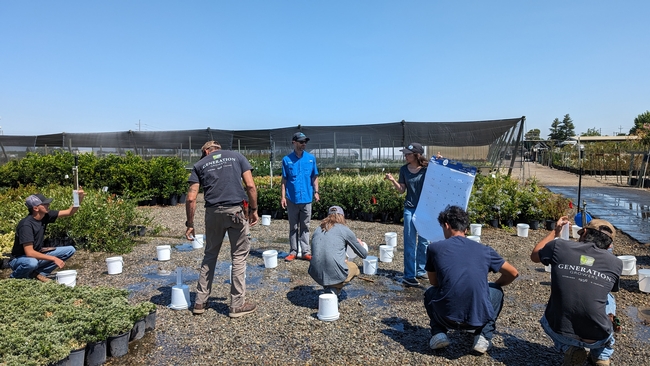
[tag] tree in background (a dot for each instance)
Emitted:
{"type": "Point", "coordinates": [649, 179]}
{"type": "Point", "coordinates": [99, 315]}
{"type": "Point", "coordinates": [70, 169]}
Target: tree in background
{"type": "Point", "coordinates": [533, 134]}
{"type": "Point", "coordinates": [555, 130]}
{"type": "Point", "coordinates": [642, 127]}
{"type": "Point", "coordinates": [591, 132]}
{"type": "Point", "coordinates": [562, 130]}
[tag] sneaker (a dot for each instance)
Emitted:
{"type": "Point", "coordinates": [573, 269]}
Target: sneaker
{"type": "Point", "coordinates": [199, 309]}
{"type": "Point", "coordinates": [423, 277]}
{"type": "Point", "coordinates": [247, 308]}
{"type": "Point", "coordinates": [439, 341]}
{"type": "Point", "coordinates": [411, 282]}
{"type": "Point", "coordinates": [290, 257]}
{"type": "Point", "coordinates": [481, 344]}
{"type": "Point", "coordinates": [306, 257]}
{"type": "Point", "coordinates": [597, 362]}
{"type": "Point", "coordinates": [42, 278]}
{"type": "Point", "coordinates": [574, 356]}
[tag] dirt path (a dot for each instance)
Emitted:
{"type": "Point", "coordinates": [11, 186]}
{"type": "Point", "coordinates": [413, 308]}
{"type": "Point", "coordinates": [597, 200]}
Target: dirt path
{"type": "Point", "coordinates": [553, 177]}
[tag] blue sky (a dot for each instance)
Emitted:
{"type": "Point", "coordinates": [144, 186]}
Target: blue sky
{"type": "Point", "coordinates": [98, 66]}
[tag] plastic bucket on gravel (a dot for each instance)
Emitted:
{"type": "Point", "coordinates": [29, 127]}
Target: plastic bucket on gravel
{"type": "Point", "coordinates": [198, 241]}
{"type": "Point", "coordinates": [644, 280]}
{"type": "Point", "coordinates": [328, 307]}
{"type": "Point", "coordinates": [114, 265]}
{"type": "Point", "coordinates": [370, 265]}
{"type": "Point", "coordinates": [266, 220]}
{"type": "Point", "coordinates": [164, 252]}
{"type": "Point", "coordinates": [385, 253]}
{"type": "Point", "coordinates": [391, 238]}
{"type": "Point", "coordinates": [522, 230]}
{"type": "Point", "coordinates": [180, 297]}
{"type": "Point", "coordinates": [270, 258]}
{"type": "Point", "coordinates": [351, 254]}
{"type": "Point", "coordinates": [475, 238]}
{"type": "Point", "coordinates": [629, 264]}
{"type": "Point", "coordinates": [67, 277]}
{"type": "Point", "coordinates": [475, 229]}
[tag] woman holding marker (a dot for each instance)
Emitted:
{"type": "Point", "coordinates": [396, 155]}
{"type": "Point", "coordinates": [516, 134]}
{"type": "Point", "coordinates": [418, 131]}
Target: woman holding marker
{"type": "Point", "coordinates": [411, 180]}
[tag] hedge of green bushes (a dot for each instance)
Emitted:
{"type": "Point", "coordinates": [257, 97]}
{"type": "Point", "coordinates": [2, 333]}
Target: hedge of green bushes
{"type": "Point", "coordinates": [371, 197]}
{"type": "Point", "coordinates": [128, 176]}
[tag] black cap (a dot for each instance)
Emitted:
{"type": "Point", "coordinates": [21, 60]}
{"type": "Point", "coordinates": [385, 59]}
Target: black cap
{"type": "Point", "coordinates": [299, 136]}
{"type": "Point", "coordinates": [414, 147]}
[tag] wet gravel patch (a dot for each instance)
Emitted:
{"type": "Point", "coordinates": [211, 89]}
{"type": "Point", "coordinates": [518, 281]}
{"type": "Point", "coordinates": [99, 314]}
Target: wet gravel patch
{"type": "Point", "coordinates": [380, 321]}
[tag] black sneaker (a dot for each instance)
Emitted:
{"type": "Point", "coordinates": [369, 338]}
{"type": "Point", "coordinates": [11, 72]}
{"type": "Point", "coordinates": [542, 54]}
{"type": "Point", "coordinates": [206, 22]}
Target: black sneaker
{"type": "Point", "coordinates": [411, 282]}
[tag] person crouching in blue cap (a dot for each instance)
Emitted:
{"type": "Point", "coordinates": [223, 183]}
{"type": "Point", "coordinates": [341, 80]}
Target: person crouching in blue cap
{"type": "Point", "coordinates": [29, 258]}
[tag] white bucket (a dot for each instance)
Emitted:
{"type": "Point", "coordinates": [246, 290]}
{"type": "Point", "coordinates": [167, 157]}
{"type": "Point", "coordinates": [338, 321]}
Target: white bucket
{"type": "Point", "coordinates": [476, 238]}
{"type": "Point", "coordinates": [270, 258]}
{"type": "Point", "coordinates": [351, 254]}
{"type": "Point", "coordinates": [180, 297]}
{"type": "Point", "coordinates": [164, 252]}
{"type": "Point", "coordinates": [67, 277]}
{"type": "Point", "coordinates": [522, 230]}
{"type": "Point", "coordinates": [475, 229]}
{"type": "Point", "coordinates": [328, 307]}
{"type": "Point", "coordinates": [547, 268]}
{"type": "Point", "coordinates": [370, 265]}
{"type": "Point", "coordinates": [385, 253]}
{"type": "Point", "coordinates": [266, 220]}
{"type": "Point", "coordinates": [574, 231]}
{"type": "Point", "coordinates": [114, 265]}
{"type": "Point", "coordinates": [391, 239]}
{"type": "Point", "coordinates": [629, 264]}
{"type": "Point", "coordinates": [564, 234]}
{"type": "Point", "coordinates": [199, 240]}
{"type": "Point", "coordinates": [644, 280]}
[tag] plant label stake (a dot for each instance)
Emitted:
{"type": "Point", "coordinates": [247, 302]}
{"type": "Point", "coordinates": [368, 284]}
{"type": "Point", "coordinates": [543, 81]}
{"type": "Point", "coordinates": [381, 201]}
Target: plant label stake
{"type": "Point", "coordinates": [75, 174]}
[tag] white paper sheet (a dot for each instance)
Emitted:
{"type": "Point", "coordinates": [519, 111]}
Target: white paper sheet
{"type": "Point", "coordinates": [445, 183]}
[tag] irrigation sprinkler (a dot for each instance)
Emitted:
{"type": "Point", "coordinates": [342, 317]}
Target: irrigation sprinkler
{"type": "Point", "coordinates": [75, 177]}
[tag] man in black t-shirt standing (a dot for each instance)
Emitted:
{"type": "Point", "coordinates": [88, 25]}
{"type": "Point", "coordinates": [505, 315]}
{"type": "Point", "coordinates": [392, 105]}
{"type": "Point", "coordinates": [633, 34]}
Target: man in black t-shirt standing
{"type": "Point", "coordinates": [581, 312]}
{"type": "Point", "coordinates": [30, 259]}
{"type": "Point", "coordinates": [228, 209]}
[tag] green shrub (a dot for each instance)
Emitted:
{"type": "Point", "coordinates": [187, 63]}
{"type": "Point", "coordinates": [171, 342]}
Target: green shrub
{"type": "Point", "coordinates": [42, 322]}
{"type": "Point", "coordinates": [99, 225]}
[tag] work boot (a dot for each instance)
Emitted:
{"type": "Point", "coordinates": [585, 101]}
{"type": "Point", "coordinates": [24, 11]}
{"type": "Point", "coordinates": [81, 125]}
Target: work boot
{"type": "Point", "coordinates": [247, 308]}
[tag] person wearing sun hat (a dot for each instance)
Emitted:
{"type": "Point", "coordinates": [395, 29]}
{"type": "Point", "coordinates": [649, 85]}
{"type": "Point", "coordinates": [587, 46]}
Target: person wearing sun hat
{"type": "Point", "coordinates": [581, 311]}
{"type": "Point", "coordinates": [328, 266]}
{"type": "Point", "coordinates": [30, 258]}
{"type": "Point", "coordinates": [299, 187]}
{"type": "Point", "coordinates": [411, 180]}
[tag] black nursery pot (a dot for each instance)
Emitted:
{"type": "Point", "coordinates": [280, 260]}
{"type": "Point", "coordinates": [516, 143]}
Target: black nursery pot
{"type": "Point", "coordinates": [550, 225]}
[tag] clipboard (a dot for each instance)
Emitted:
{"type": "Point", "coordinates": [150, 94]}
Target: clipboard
{"type": "Point", "coordinates": [446, 183]}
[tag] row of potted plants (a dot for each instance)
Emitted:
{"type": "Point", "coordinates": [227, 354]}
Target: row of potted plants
{"type": "Point", "coordinates": [42, 323]}
{"type": "Point", "coordinates": [371, 197]}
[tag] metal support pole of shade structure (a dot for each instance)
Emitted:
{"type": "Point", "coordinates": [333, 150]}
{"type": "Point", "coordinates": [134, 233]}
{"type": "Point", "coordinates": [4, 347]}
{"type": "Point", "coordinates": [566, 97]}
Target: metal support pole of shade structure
{"type": "Point", "coordinates": [361, 152]}
{"type": "Point", "coordinates": [334, 148]}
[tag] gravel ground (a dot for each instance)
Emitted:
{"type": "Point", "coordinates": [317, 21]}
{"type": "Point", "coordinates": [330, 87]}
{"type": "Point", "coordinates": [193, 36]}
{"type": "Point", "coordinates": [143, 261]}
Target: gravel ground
{"type": "Point", "coordinates": [380, 321]}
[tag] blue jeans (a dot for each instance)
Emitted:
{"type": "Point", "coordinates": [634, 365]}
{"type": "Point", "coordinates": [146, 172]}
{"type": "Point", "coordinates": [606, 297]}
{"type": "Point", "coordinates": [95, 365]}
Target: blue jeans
{"type": "Point", "coordinates": [28, 267]}
{"type": "Point", "coordinates": [601, 350]}
{"type": "Point", "coordinates": [415, 253]}
{"type": "Point", "coordinates": [440, 324]}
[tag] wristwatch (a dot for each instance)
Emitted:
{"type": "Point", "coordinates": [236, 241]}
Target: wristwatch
{"type": "Point", "coordinates": [188, 224]}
